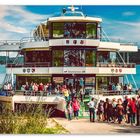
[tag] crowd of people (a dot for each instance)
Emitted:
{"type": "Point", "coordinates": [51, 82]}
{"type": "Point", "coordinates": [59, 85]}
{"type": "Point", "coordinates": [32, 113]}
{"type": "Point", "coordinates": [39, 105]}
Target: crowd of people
{"type": "Point", "coordinates": [111, 111]}
{"type": "Point", "coordinates": [115, 110]}
{"type": "Point", "coordinates": [119, 87]}
{"type": "Point", "coordinates": [68, 91]}
{"type": "Point", "coordinates": [119, 110]}
{"type": "Point", "coordinates": [8, 88]}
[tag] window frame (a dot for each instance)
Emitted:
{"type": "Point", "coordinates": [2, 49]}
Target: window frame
{"type": "Point", "coordinates": [51, 30]}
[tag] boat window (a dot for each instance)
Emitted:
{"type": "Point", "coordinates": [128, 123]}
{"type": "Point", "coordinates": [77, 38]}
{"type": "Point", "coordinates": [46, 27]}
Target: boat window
{"type": "Point", "coordinates": [90, 58]}
{"type": "Point", "coordinates": [113, 57]}
{"type": "Point", "coordinates": [58, 58]}
{"type": "Point", "coordinates": [38, 57]}
{"type": "Point", "coordinates": [105, 83]}
{"type": "Point", "coordinates": [91, 30]}
{"type": "Point", "coordinates": [74, 30]}
{"type": "Point", "coordinates": [102, 83]}
{"type": "Point", "coordinates": [74, 58]}
{"type": "Point", "coordinates": [58, 30]}
{"type": "Point", "coordinates": [103, 57]}
{"type": "Point", "coordinates": [106, 57]}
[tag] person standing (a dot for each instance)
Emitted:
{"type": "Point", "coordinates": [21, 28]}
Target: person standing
{"type": "Point", "coordinates": [106, 103]}
{"type": "Point", "coordinates": [49, 89]}
{"type": "Point", "coordinates": [109, 111]}
{"type": "Point", "coordinates": [70, 110]}
{"type": "Point", "coordinates": [92, 107]}
{"type": "Point", "coordinates": [134, 110]}
{"type": "Point", "coordinates": [114, 105]}
{"type": "Point", "coordinates": [76, 107]}
{"type": "Point", "coordinates": [120, 110]}
{"type": "Point", "coordinates": [100, 111]}
{"type": "Point", "coordinates": [66, 93]}
{"type": "Point", "coordinates": [82, 93]}
{"type": "Point", "coordinates": [125, 103]}
{"type": "Point", "coordinates": [129, 88]}
{"type": "Point", "coordinates": [138, 110]}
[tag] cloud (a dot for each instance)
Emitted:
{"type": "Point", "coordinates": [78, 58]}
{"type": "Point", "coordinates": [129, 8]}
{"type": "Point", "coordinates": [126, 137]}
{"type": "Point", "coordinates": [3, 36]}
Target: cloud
{"type": "Point", "coordinates": [128, 13]}
{"type": "Point", "coordinates": [18, 21]}
{"type": "Point", "coordinates": [122, 30]}
{"type": "Point", "coordinates": [9, 27]}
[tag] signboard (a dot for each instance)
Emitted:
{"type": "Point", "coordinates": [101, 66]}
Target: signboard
{"type": "Point", "coordinates": [74, 42]}
{"type": "Point", "coordinates": [74, 71]}
{"type": "Point", "coordinates": [115, 70]}
{"type": "Point", "coordinates": [28, 70]}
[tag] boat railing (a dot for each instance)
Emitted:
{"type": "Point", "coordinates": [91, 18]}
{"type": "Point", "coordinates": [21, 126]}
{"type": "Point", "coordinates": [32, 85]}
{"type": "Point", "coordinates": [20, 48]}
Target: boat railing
{"type": "Point", "coordinates": [48, 64]}
{"type": "Point", "coordinates": [120, 65]}
{"type": "Point", "coordinates": [27, 39]}
{"type": "Point", "coordinates": [46, 93]}
{"type": "Point", "coordinates": [31, 64]}
{"type": "Point", "coordinates": [115, 92]}
{"type": "Point", "coordinates": [122, 42]}
{"type": "Point", "coordinates": [9, 42]}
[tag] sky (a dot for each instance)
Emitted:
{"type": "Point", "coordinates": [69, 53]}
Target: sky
{"type": "Point", "coordinates": [119, 22]}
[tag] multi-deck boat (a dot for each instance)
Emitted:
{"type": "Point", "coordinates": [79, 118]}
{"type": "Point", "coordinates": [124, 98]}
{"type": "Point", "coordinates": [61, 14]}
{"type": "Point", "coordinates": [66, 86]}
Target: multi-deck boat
{"type": "Point", "coordinates": [68, 49]}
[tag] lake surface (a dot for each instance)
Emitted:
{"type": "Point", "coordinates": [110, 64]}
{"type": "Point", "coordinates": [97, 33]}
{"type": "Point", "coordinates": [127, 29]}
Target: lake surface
{"type": "Point", "coordinates": [136, 76]}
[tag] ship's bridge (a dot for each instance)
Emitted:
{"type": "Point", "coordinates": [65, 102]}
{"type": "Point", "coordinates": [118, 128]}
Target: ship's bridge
{"type": "Point", "coordinates": [70, 25]}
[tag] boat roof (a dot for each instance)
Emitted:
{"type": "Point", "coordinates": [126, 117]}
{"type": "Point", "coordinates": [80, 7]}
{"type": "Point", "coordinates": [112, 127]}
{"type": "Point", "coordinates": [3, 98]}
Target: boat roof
{"type": "Point", "coordinates": [74, 19]}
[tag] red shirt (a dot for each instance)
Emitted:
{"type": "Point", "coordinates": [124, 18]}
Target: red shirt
{"type": "Point", "coordinates": [75, 105]}
{"type": "Point", "coordinates": [41, 88]}
{"type": "Point", "coordinates": [133, 106]}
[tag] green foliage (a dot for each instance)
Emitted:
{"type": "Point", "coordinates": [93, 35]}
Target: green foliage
{"type": "Point", "coordinates": [30, 122]}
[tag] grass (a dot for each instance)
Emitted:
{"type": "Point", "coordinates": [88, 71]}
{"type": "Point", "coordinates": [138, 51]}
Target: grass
{"type": "Point", "coordinates": [30, 122]}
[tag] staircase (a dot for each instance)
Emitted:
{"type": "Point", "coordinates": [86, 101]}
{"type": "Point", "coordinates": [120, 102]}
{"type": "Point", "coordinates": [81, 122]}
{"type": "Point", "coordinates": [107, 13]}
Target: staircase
{"type": "Point", "coordinates": [8, 78]}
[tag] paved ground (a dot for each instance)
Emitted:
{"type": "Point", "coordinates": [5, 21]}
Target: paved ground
{"type": "Point", "coordinates": [83, 126]}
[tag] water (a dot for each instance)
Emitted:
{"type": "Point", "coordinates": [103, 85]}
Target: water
{"type": "Point", "coordinates": [136, 76]}
{"type": "Point", "coordinates": [2, 73]}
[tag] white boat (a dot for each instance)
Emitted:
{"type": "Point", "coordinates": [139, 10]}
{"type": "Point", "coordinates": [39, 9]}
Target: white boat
{"type": "Point", "coordinates": [69, 49]}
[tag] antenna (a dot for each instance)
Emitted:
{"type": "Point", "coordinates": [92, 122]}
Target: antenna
{"type": "Point", "coordinates": [73, 8]}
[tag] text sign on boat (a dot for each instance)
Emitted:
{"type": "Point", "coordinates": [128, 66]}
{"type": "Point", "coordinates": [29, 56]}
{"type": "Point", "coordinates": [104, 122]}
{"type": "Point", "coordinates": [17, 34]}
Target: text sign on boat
{"type": "Point", "coordinates": [116, 70]}
{"type": "Point", "coordinates": [74, 42]}
{"type": "Point", "coordinates": [28, 70]}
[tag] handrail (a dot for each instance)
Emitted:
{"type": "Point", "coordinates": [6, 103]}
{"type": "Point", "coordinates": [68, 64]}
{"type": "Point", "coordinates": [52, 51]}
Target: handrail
{"type": "Point", "coordinates": [30, 64]}
{"type": "Point", "coordinates": [9, 42]}
{"type": "Point", "coordinates": [97, 92]}
{"type": "Point", "coordinates": [126, 65]}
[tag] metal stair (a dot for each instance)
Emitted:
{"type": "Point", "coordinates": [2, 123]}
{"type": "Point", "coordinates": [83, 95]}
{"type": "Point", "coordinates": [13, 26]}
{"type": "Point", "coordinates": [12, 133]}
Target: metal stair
{"type": "Point", "coordinates": [8, 78]}
{"type": "Point", "coordinates": [107, 39]}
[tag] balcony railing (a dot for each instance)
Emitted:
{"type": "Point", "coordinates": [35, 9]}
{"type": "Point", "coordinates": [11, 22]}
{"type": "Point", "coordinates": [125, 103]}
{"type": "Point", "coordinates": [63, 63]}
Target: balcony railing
{"type": "Point", "coordinates": [46, 93]}
{"type": "Point", "coordinates": [121, 65]}
{"type": "Point", "coordinates": [99, 64]}
{"type": "Point", "coordinates": [31, 64]}
{"type": "Point", "coordinates": [9, 42]}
